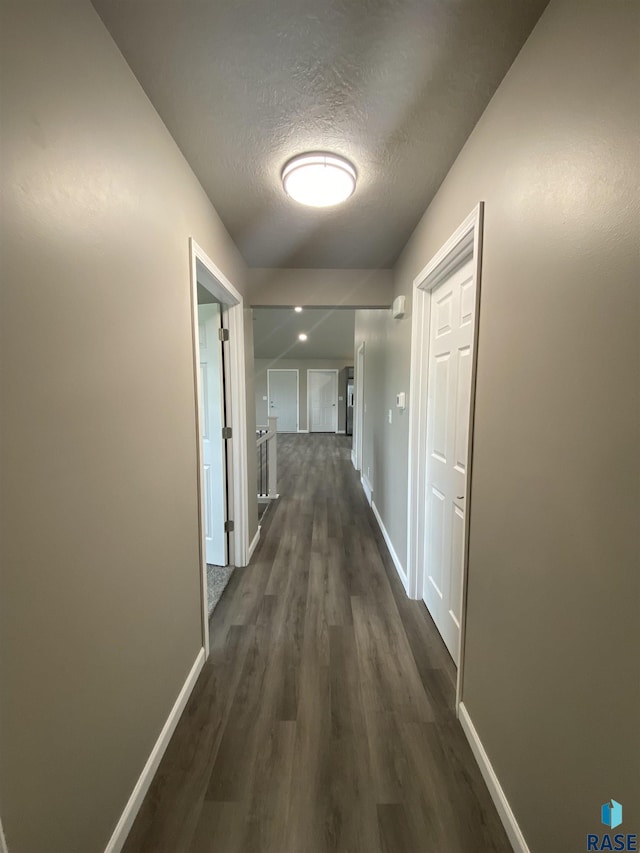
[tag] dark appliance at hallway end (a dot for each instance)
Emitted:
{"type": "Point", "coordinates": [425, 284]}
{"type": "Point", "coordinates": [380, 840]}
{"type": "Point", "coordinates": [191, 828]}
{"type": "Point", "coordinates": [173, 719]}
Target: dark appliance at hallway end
{"type": "Point", "coordinates": [349, 399]}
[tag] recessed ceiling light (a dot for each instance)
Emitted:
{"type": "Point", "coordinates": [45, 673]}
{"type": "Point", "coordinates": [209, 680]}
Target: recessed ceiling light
{"type": "Point", "coordinates": [297, 309]}
{"type": "Point", "coordinates": [319, 180]}
{"type": "Point", "coordinates": [302, 337]}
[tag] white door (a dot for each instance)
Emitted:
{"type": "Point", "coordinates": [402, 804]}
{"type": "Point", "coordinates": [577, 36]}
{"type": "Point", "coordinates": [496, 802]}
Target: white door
{"type": "Point", "coordinates": [282, 393]}
{"type": "Point", "coordinates": [214, 475]}
{"type": "Point", "coordinates": [449, 397]}
{"type": "Point", "coordinates": [323, 400]}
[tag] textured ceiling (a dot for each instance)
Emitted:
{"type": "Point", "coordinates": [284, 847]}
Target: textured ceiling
{"type": "Point", "coordinates": [330, 333]}
{"type": "Point", "coordinates": [394, 85]}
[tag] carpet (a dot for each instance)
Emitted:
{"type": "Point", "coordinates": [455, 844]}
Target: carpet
{"type": "Point", "coordinates": [217, 579]}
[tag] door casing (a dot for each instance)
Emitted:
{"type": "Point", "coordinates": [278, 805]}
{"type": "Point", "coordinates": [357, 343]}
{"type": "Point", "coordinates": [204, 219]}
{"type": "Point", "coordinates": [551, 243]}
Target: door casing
{"type": "Point", "coordinates": [465, 242]}
{"type": "Point", "coordinates": [205, 271]}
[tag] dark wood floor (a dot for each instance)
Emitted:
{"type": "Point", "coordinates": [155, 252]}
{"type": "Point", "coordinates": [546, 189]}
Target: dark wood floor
{"type": "Point", "coordinates": [323, 721]}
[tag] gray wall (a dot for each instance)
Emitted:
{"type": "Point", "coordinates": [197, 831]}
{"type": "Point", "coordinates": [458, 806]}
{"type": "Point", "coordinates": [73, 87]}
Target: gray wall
{"type": "Point", "coordinates": [383, 463]}
{"type": "Point", "coordinates": [552, 645]}
{"type": "Point", "coordinates": [99, 590]}
{"type": "Point", "coordinates": [301, 365]}
{"type": "Point", "coordinates": [319, 288]}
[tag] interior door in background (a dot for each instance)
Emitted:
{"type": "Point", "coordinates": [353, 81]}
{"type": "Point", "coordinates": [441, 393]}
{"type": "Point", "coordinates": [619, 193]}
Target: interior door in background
{"type": "Point", "coordinates": [214, 473]}
{"type": "Point", "coordinates": [282, 396]}
{"type": "Point", "coordinates": [323, 400]}
{"type": "Point", "coordinates": [448, 406]}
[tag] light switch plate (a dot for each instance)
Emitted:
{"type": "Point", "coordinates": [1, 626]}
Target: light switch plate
{"type": "Point", "coordinates": [401, 400]}
{"type": "Point", "coordinates": [390, 416]}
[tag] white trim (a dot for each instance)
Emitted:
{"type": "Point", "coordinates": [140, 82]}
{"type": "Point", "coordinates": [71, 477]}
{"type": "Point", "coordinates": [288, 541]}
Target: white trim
{"type": "Point", "coordinates": [353, 458]}
{"type": "Point", "coordinates": [337, 375]}
{"type": "Point", "coordinates": [214, 280]}
{"type": "Point", "coordinates": [303, 430]}
{"type": "Point", "coordinates": [366, 485]}
{"type": "Point", "coordinates": [341, 432]}
{"type": "Point", "coordinates": [396, 560]}
{"type": "Point", "coordinates": [218, 285]}
{"type": "Point", "coordinates": [465, 241]}
{"type": "Point", "coordinates": [3, 841]}
{"type": "Point", "coordinates": [286, 370]}
{"type": "Point", "coordinates": [123, 827]}
{"type": "Point", "coordinates": [238, 444]}
{"type": "Point", "coordinates": [506, 815]}
{"type": "Point", "coordinates": [358, 410]}
{"type": "Point", "coordinates": [253, 545]}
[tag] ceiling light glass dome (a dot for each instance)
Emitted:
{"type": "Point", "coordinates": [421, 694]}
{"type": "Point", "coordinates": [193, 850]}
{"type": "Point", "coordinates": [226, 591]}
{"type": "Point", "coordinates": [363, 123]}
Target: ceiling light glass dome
{"type": "Point", "coordinates": [319, 180]}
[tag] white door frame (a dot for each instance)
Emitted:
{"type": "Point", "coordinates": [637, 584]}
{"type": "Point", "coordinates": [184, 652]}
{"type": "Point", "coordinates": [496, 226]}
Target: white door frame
{"type": "Point", "coordinates": [322, 370]}
{"type": "Point", "coordinates": [219, 286]}
{"type": "Point", "coordinates": [358, 411]}
{"type": "Point", "coordinates": [286, 370]}
{"type": "Point", "coordinates": [464, 243]}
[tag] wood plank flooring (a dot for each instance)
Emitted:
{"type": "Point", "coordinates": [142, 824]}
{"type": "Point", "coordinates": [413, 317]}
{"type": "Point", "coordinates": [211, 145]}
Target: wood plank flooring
{"type": "Point", "coordinates": [323, 721]}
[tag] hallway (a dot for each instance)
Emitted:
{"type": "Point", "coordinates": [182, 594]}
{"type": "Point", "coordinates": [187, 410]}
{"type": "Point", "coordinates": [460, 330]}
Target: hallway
{"type": "Point", "coordinates": [323, 721]}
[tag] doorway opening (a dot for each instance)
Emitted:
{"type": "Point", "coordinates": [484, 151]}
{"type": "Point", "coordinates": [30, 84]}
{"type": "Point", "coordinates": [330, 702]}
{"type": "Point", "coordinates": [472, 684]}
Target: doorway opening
{"type": "Point", "coordinates": [289, 344]}
{"type": "Point", "coordinates": [444, 341]}
{"type": "Point", "coordinates": [221, 435]}
{"type": "Point", "coordinates": [213, 439]}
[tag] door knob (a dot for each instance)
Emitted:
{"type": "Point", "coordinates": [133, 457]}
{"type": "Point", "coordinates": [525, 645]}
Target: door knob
{"type": "Point", "coordinates": [460, 498]}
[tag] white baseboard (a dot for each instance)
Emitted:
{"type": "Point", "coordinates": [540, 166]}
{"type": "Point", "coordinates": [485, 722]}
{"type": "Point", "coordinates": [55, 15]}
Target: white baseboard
{"type": "Point", "coordinates": [117, 840]}
{"type": "Point", "coordinates": [366, 485]}
{"type": "Point", "coordinates": [254, 545]}
{"type": "Point", "coordinates": [341, 432]}
{"type": "Point", "coordinates": [514, 833]}
{"type": "Point", "coordinates": [303, 430]}
{"type": "Point", "coordinates": [353, 459]}
{"type": "Point", "coordinates": [396, 562]}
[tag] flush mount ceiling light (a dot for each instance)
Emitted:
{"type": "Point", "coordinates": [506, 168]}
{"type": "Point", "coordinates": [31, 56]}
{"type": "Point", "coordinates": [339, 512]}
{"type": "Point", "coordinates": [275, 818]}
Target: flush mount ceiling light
{"type": "Point", "coordinates": [302, 337]}
{"type": "Point", "coordinates": [297, 309]}
{"type": "Point", "coordinates": [319, 180]}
